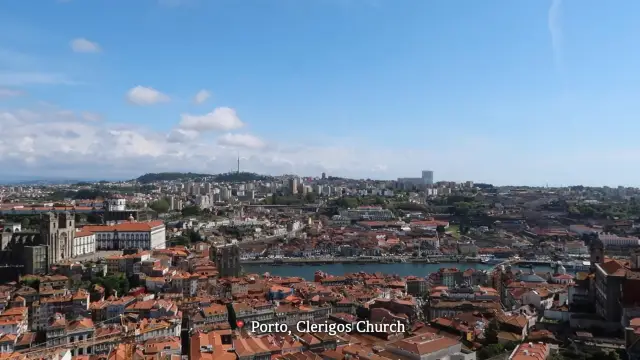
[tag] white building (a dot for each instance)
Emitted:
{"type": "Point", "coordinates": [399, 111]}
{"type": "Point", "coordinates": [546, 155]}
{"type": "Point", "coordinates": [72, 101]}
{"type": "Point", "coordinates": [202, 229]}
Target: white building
{"type": "Point", "coordinates": [431, 192]}
{"type": "Point", "coordinates": [609, 240]}
{"type": "Point", "coordinates": [576, 248]}
{"type": "Point", "coordinates": [129, 235]}
{"type": "Point", "coordinates": [468, 248]}
{"type": "Point", "coordinates": [225, 193]}
{"type": "Point", "coordinates": [374, 213]}
{"type": "Point", "coordinates": [117, 203]}
{"type": "Point", "coordinates": [84, 242]}
{"type": "Point", "coordinates": [204, 201]}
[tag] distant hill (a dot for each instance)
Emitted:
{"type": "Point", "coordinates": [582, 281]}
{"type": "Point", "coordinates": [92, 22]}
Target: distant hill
{"type": "Point", "coordinates": [228, 177]}
{"type": "Point", "coordinates": [242, 177]}
{"type": "Point", "coordinates": [170, 176]}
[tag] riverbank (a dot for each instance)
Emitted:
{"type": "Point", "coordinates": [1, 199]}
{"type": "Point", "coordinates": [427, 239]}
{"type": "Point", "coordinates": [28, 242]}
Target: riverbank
{"type": "Point", "coordinates": [307, 272]}
{"type": "Point", "coordinates": [345, 260]}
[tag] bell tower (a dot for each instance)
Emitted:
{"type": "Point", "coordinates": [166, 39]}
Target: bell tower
{"type": "Point", "coordinates": [596, 249]}
{"type": "Point", "coordinates": [57, 231]}
{"type": "Point", "coordinates": [48, 235]}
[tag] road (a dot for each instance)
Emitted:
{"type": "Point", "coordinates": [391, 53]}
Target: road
{"type": "Point", "coordinates": [269, 239]}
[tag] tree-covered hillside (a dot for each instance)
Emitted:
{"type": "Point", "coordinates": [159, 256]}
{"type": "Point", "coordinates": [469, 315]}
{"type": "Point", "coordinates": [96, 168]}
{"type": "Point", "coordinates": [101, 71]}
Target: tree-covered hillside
{"type": "Point", "coordinates": [241, 177]}
{"type": "Point", "coordinates": [170, 176]}
{"type": "Point", "coordinates": [228, 177]}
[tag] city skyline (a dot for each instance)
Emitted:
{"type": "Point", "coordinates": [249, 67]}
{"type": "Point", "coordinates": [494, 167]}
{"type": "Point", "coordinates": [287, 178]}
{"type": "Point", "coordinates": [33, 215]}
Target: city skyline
{"type": "Point", "coordinates": [501, 93]}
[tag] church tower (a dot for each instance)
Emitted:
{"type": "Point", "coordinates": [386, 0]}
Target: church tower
{"type": "Point", "coordinates": [596, 249]}
{"type": "Point", "coordinates": [57, 232]}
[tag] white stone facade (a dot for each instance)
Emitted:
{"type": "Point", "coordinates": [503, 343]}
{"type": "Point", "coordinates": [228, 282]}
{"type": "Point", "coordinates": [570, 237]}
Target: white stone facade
{"type": "Point", "coordinates": [131, 235]}
{"type": "Point", "coordinates": [84, 243]}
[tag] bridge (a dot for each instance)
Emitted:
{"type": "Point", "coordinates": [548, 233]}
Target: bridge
{"type": "Point", "coordinates": [508, 262]}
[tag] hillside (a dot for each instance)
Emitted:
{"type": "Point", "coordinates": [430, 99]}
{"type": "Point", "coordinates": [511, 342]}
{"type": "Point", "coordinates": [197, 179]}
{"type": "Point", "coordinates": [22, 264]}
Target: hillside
{"type": "Point", "coordinates": [170, 176]}
{"type": "Point", "coordinates": [228, 177]}
{"type": "Point", "coordinates": [241, 177]}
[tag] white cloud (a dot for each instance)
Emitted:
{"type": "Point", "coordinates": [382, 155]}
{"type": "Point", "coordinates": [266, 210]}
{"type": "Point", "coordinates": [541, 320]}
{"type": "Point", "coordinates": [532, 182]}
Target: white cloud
{"type": "Point", "coordinates": [48, 141]}
{"type": "Point", "coordinates": [7, 93]}
{"type": "Point", "coordinates": [241, 140]}
{"type": "Point", "coordinates": [82, 45]}
{"type": "Point", "coordinates": [222, 118]}
{"type": "Point", "coordinates": [91, 116]}
{"type": "Point", "coordinates": [141, 95]}
{"type": "Point", "coordinates": [181, 136]}
{"type": "Point", "coordinates": [201, 96]}
{"type": "Point", "coordinates": [10, 78]}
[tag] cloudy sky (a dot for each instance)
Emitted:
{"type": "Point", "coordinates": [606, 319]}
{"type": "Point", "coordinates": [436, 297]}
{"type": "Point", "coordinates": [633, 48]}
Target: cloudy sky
{"type": "Point", "coordinates": [506, 92]}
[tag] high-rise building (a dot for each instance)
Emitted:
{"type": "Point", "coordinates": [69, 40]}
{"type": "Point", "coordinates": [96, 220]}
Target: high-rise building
{"type": "Point", "coordinates": [225, 193]}
{"type": "Point", "coordinates": [324, 176]}
{"type": "Point", "coordinates": [293, 185]}
{"type": "Point", "coordinates": [427, 177]}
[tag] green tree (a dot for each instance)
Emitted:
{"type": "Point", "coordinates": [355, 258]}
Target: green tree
{"type": "Point", "coordinates": [491, 332]}
{"type": "Point", "coordinates": [605, 355]}
{"type": "Point", "coordinates": [30, 281]}
{"type": "Point", "coordinates": [191, 211]}
{"type": "Point", "coordinates": [461, 208]}
{"type": "Point", "coordinates": [347, 202]}
{"type": "Point", "coordinates": [187, 238]}
{"type": "Point", "coordinates": [115, 282]}
{"type": "Point", "coordinates": [180, 241]}
{"type": "Point", "coordinates": [556, 356]}
{"type": "Point", "coordinates": [160, 206]}
{"type": "Point", "coordinates": [310, 198]}
{"type": "Point", "coordinates": [194, 236]}
{"type": "Point", "coordinates": [25, 223]}
{"type": "Point", "coordinates": [440, 229]}
{"type": "Point", "coordinates": [490, 351]}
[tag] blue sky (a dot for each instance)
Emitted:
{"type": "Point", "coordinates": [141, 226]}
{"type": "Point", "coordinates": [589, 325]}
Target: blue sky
{"type": "Point", "coordinates": [526, 92]}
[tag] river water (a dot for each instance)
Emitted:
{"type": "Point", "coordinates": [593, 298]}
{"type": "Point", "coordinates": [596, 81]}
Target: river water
{"type": "Point", "coordinates": [403, 269]}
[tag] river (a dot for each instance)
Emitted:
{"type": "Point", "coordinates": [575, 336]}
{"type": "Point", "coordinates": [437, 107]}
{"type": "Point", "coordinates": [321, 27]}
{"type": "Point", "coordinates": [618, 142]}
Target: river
{"type": "Point", "coordinates": [403, 269]}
